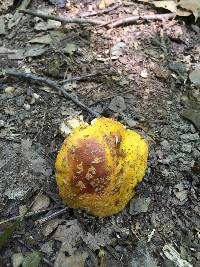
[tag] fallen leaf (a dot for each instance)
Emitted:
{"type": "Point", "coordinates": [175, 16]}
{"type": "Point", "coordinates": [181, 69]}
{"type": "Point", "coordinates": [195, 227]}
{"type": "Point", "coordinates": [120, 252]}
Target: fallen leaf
{"type": "Point", "coordinates": [169, 5]}
{"type": "Point", "coordinates": [195, 77]}
{"type": "Point", "coordinates": [35, 50]}
{"type": "Point", "coordinates": [33, 260]}
{"type": "Point", "coordinates": [45, 39]}
{"type": "Point", "coordinates": [139, 205]}
{"type": "Point", "coordinates": [17, 259]}
{"type": "Point", "coordinates": [193, 5]}
{"type": "Point", "coordinates": [193, 116]}
{"type": "Point", "coordinates": [42, 202]}
{"type": "Point", "coordinates": [47, 25]}
{"type": "Point", "coordinates": [182, 13]}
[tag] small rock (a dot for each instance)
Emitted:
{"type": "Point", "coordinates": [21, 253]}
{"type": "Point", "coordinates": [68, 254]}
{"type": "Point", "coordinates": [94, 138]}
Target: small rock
{"type": "Point", "coordinates": [118, 49]}
{"type": "Point", "coordinates": [186, 148]}
{"type": "Point", "coordinates": [117, 104]}
{"type": "Point", "coordinates": [2, 123]}
{"type": "Point", "coordinates": [190, 137]}
{"type": "Point", "coordinates": [181, 195]}
{"type": "Point", "coordinates": [165, 145]}
{"type": "Point", "coordinates": [9, 90]}
{"type": "Point", "coordinates": [144, 73]}
{"type": "Point", "coordinates": [47, 247]}
{"type": "Point", "coordinates": [20, 100]}
{"type": "Point", "coordinates": [41, 202]}
{"type": "Point", "coordinates": [36, 96]}
{"type": "Point", "coordinates": [139, 205]}
{"type": "Point", "coordinates": [60, 3]}
{"type": "Point", "coordinates": [130, 122]}
{"type": "Point", "coordinates": [27, 107]}
{"type": "Point", "coordinates": [17, 259]}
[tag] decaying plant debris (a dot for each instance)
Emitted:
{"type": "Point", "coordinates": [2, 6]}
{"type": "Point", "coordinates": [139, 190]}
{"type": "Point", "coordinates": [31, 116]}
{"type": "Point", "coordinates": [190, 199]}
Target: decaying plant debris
{"type": "Point", "coordinates": [136, 63]}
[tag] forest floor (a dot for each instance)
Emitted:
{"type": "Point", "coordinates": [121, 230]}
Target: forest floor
{"type": "Point", "coordinates": [142, 81]}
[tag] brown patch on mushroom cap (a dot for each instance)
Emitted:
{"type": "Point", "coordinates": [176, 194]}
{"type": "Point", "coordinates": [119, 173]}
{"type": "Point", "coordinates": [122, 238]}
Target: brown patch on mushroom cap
{"type": "Point", "coordinates": [89, 167]}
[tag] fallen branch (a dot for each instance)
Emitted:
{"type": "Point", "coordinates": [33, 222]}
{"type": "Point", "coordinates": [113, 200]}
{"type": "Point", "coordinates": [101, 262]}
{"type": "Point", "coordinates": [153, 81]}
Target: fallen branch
{"type": "Point", "coordinates": [51, 84]}
{"type": "Point", "coordinates": [62, 19]}
{"type": "Point", "coordinates": [132, 19]}
{"type": "Point", "coordinates": [101, 12]}
{"type": "Point", "coordinates": [28, 215]}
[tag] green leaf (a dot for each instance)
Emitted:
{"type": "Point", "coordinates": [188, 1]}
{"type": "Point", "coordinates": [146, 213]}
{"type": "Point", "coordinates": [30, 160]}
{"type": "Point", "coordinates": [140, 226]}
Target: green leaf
{"type": "Point", "coordinates": [8, 233]}
{"type": "Point", "coordinates": [33, 260]}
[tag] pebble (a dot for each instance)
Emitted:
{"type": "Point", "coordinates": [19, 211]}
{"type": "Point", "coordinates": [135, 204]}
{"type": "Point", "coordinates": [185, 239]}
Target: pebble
{"type": "Point", "coordinates": [117, 104]}
{"type": "Point", "coordinates": [20, 100]}
{"type": "Point", "coordinates": [2, 123]}
{"type": "Point", "coordinates": [9, 90]}
{"type": "Point", "coordinates": [186, 148]}
{"type": "Point", "coordinates": [165, 145]}
{"type": "Point", "coordinates": [190, 137]}
{"type": "Point", "coordinates": [27, 106]}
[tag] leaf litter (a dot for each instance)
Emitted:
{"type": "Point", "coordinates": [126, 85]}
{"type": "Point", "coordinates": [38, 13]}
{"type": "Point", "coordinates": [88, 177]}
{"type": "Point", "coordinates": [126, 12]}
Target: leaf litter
{"type": "Point", "coordinates": [170, 130]}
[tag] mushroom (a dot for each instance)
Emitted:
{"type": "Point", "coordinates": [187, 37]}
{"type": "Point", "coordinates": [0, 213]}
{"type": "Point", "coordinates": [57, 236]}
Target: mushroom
{"type": "Point", "coordinates": [99, 166]}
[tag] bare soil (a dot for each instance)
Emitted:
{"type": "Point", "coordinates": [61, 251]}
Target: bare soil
{"type": "Point", "coordinates": [146, 88]}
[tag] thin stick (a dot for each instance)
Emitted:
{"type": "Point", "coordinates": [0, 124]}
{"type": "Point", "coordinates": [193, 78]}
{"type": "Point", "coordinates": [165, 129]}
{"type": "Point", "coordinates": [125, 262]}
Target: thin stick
{"type": "Point", "coordinates": [132, 19]}
{"type": "Point", "coordinates": [62, 19]}
{"type": "Point", "coordinates": [100, 12]}
{"type": "Point", "coordinates": [81, 78]}
{"type": "Point", "coordinates": [44, 259]}
{"type": "Point", "coordinates": [51, 84]}
{"type": "Point", "coordinates": [52, 216]}
{"type": "Point", "coordinates": [28, 215]}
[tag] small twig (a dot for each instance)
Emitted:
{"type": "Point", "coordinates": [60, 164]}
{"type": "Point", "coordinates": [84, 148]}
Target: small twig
{"type": "Point", "coordinates": [44, 259]}
{"type": "Point", "coordinates": [51, 84]}
{"type": "Point", "coordinates": [101, 12]}
{"type": "Point", "coordinates": [52, 216]}
{"type": "Point", "coordinates": [62, 19]}
{"type": "Point", "coordinates": [132, 19]}
{"type": "Point", "coordinates": [81, 78]}
{"type": "Point", "coordinates": [28, 215]}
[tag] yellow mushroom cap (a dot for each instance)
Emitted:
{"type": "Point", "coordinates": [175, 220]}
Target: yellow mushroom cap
{"type": "Point", "coordinates": [99, 165]}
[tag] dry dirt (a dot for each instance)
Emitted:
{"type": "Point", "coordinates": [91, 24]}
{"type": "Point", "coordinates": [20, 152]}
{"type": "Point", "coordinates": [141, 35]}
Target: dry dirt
{"type": "Point", "coordinates": [147, 88]}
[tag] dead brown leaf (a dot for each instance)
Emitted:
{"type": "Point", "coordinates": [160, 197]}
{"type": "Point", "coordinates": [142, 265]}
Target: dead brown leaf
{"type": "Point", "coordinates": [169, 5]}
{"type": "Point", "coordinates": [192, 5]}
